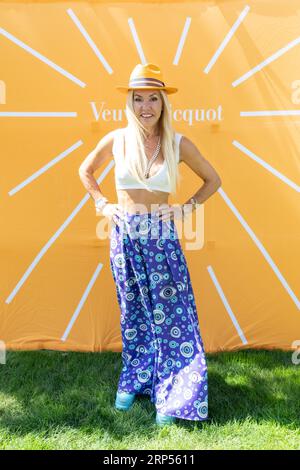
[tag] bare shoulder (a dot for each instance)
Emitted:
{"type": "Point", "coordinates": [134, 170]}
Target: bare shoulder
{"type": "Point", "coordinates": [192, 157]}
{"type": "Point", "coordinates": [188, 150]}
{"type": "Point", "coordinates": [101, 153]}
{"type": "Point", "coordinates": [107, 140]}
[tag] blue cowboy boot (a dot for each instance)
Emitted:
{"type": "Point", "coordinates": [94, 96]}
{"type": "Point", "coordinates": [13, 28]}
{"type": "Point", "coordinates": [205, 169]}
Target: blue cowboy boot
{"type": "Point", "coordinates": [161, 420]}
{"type": "Point", "coordinates": [124, 400]}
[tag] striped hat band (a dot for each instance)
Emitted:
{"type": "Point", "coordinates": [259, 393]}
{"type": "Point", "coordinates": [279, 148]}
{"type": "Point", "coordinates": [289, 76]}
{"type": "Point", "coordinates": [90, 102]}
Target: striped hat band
{"type": "Point", "coordinates": [146, 82]}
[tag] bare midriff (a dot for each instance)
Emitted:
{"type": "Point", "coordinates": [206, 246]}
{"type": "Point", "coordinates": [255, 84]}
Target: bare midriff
{"type": "Point", "coordinates": [141, 201]}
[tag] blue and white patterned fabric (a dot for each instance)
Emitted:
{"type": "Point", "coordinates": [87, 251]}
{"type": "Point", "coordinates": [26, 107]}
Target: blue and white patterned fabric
{"type": "Point", "coordinates": [163, 354]}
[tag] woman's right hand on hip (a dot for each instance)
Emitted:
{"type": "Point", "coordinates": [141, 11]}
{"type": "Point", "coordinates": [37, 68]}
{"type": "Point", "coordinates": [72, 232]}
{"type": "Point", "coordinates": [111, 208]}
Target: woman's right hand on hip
{"type": "Point", "coordinates": [114, 212]}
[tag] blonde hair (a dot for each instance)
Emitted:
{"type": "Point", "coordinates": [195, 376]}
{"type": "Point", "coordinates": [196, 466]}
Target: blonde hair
{"type": "Point", "coordinates": [135, 134]}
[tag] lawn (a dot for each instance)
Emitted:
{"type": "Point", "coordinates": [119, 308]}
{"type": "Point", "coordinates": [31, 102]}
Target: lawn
{"type": "Point", "coordinates": [57, 400]}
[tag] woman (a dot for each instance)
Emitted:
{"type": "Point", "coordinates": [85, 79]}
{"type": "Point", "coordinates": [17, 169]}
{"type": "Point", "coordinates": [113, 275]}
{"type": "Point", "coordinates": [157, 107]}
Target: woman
{"type": "Point", "coordinates": [163, 354]}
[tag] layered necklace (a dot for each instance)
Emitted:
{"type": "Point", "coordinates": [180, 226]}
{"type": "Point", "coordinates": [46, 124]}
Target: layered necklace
{"type": "Point", "coordinates": [153, 158]}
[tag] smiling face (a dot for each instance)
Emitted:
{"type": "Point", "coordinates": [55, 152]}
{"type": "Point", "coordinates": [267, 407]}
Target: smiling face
{"type": "Point", "coordinates": [147, 103]}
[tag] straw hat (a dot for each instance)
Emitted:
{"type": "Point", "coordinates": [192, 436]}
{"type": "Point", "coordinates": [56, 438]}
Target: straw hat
{"type": "Point", "coordinates": [146, 77]}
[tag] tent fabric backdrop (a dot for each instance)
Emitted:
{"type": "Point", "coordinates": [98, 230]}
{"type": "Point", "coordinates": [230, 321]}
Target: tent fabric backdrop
{"type": "Point", "coordinates": [238, 101]}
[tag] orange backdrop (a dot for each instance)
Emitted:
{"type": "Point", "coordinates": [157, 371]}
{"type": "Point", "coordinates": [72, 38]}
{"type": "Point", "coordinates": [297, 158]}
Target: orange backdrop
{"type": "Point", "coordinates": [239, 101]}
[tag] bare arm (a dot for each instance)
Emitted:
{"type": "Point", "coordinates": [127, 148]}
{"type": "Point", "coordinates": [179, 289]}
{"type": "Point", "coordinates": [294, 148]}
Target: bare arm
{"type": "Point", "coordinates": [190, 154]}
{"type": "Point", "coordinates": [92, 162]}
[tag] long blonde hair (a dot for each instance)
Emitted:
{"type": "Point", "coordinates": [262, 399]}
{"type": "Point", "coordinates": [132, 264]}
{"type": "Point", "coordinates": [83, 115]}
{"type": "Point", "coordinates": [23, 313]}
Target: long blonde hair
{"type": "Point", "coordinates": [136, 133]}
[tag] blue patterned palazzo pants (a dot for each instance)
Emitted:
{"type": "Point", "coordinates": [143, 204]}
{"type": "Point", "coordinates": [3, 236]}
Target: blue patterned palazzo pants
{"type": "Point", "coordinates": [163, 354]}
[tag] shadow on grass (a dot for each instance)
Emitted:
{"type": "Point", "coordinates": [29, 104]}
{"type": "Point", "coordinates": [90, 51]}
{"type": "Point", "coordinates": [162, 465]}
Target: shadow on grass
{"type": "Point", "coordinates": [46, 390]}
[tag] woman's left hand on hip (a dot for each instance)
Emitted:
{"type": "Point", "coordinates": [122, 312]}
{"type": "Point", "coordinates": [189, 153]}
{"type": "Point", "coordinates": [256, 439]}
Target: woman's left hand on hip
{"type": "Point", "coordinates": [169, 211]}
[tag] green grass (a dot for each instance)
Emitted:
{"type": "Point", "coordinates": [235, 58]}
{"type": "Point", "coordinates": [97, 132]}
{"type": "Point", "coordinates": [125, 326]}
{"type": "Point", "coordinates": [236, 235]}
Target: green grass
{"type": "Point", "coordinates": [56, 400]}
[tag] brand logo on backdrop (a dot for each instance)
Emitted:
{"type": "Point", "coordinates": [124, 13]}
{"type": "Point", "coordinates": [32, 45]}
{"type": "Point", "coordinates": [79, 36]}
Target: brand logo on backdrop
{"type": "Point", "coordinates": [191, 116]}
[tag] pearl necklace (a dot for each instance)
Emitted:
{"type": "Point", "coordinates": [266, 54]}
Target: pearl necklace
{"type": "Point", "coordinates": [153, 158]}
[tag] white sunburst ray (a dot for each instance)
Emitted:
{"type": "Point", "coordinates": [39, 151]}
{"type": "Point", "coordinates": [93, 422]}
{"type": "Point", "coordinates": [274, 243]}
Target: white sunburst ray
{"type": "Point", "coordinates": [266, 61]}
{"type": "Point", "coordinates": [137, 40]}
{"type": "Point", "coordinates": [269, 112]}
{"type": "Point", "coordinates": [82, 302]}
{"type": "Point", "coordinates": [44, 168]}
{"type": "Point", "coordinates": [182, 40]}
{"type": "Point", "coordinates": [226, 304]}
{"type": "Point", "coordinates": [38, 114]}
{"type": "Point", "coordinates": [227, 38]}
{"type": "Point", "coordinates": [42, 58]}
{"type": "Point", "coordinates": [266, 165]}
{"type": "Point", "coordinates": [89, 40]}
{"type": "Point", "coordinates": [261, 248]}
{"type": "Point", "coordinates": [140, 48]}
{"type": "Point", "coordinates": [54, 237]}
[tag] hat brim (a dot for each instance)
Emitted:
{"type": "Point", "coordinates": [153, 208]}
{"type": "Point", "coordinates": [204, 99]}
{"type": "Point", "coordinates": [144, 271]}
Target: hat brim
{"type": "Point", "coordinates": [167, 89]}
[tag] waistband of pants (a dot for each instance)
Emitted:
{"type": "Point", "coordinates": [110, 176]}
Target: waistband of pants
{"type": "Point", "coordinates": [140, 215]}
{"type": "Point", "coordinates": [150, 218]}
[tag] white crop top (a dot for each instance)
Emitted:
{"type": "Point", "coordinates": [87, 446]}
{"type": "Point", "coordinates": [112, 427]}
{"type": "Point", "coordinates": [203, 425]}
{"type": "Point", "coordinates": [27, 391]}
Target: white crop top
{"type": "Point", "coordinates": [125, 180]}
